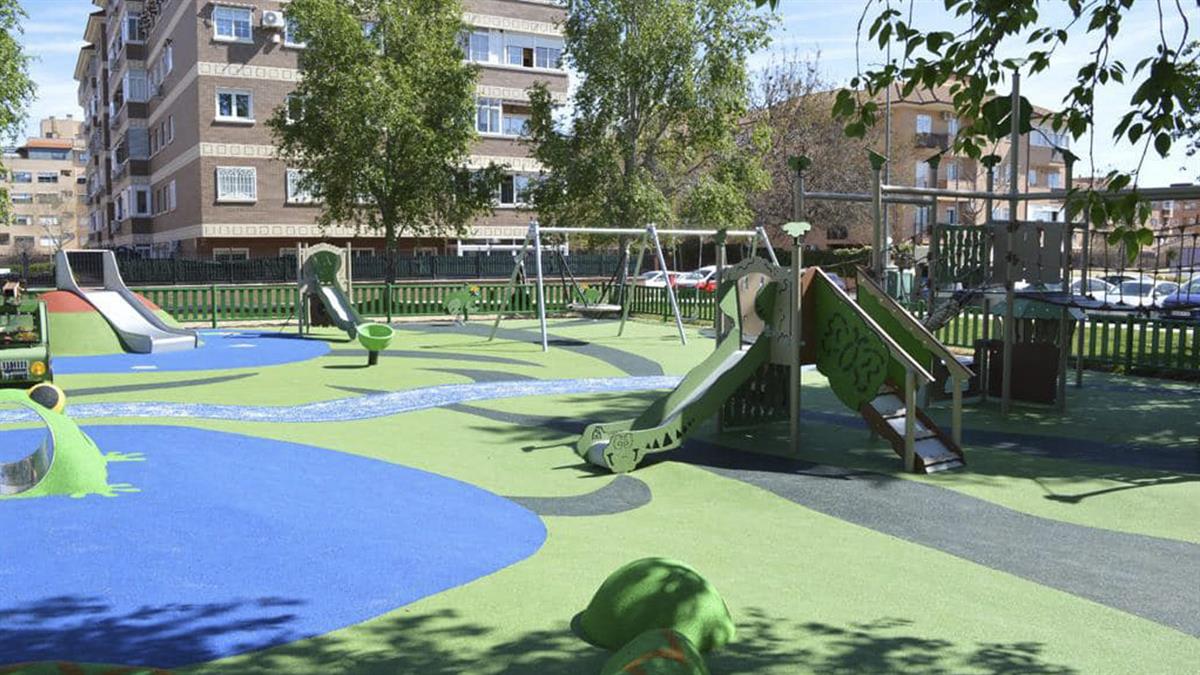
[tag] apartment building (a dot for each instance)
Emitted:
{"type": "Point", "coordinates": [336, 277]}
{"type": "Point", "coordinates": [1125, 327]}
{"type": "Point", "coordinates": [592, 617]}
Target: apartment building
{"type": "Point", "coordinates": [1175, 215]}
{"type": "Point", "coordinates": [44, 178]}
{"type": "Point", "coordinates": [177, 93]}
{"type": "Point", "coordinates": [924, 124]}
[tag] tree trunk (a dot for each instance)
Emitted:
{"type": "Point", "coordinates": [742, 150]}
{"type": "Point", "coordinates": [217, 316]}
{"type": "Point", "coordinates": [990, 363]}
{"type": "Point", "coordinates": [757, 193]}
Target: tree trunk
{"type": "Point", "coordinates": [389, 252]}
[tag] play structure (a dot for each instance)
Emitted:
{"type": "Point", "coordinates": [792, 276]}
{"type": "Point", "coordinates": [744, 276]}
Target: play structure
{"type": "Point", "coordinates": [93, 276]}
{"type": "Point", "coordinates": [611, 298]}
{"type": "Point", "coordinates": [874, 353]}
{"type": "Point", "coordinates": [24, 338]}
{"type": "Point", "coordinates": [1024, 271]}
{"type": "Point", "coordinates": [323, 272]}
{"type": "Point", "coordinates": [64, 461]}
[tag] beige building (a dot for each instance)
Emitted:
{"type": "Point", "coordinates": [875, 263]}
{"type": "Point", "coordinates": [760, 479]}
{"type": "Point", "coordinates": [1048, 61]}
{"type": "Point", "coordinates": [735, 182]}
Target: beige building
{"type": "Point", "coordinates": [44, 178]}
{"type": "Point", "coordinates": [177, 93]}
{"type": "Point", "coordinates": [925, 122]}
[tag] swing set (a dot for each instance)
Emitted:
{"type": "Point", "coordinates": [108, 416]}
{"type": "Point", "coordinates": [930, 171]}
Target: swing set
{"type": "Point", "coordinates": [612, 297]}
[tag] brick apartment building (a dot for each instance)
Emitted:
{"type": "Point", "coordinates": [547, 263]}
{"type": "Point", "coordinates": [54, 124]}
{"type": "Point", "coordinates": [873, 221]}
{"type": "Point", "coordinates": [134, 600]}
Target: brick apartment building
{"type": "Point", "coordinates": [44, 178]}
{"type": "Point", "coordinates": [177, 93]}
{"type": "Point", "coordinates": [924, 124]}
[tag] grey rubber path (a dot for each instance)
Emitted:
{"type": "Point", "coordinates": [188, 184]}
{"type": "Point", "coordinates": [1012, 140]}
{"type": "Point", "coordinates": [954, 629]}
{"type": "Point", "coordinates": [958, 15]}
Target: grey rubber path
{"type": "Point", "coordinates": [633, 364]}
{"type": "Point", "coordinates": [623, 493]}
{"type": "Point", "coordinates": [1156, 579]}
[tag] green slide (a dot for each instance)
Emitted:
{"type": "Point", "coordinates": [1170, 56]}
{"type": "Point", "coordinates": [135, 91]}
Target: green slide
{"type": "Point", "coordinates": [620, 446]}
{"type": "Point", "coordinates": [321, 272]}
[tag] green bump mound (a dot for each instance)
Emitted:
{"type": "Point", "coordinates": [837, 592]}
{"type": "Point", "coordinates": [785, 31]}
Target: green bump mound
{"type": "Point", "coordinates": [656, 593]}
{"type": "Point", "coordinates": [657, 652]}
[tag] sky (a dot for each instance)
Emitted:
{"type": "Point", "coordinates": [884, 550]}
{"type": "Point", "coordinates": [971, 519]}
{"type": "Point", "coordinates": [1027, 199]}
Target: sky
{"type": "Point", "coordinates": [54, 30]}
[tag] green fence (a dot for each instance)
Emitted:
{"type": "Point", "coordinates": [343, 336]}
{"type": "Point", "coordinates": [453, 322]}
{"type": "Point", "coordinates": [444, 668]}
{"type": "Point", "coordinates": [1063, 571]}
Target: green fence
{"type": "Point", "coordinates": [1131, 343]}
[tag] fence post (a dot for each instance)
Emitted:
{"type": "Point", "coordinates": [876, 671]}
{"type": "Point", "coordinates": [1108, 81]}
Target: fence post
{"type": "Point", "coordinates": [1128, 344]}
{"type": "Point", "coordinates": [387, 300]}
{"type": "Point", "coordinates": [212, 295]}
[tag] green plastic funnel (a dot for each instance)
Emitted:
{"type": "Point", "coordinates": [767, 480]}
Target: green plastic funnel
{"type": "Point", "coordinates": [375, 337]}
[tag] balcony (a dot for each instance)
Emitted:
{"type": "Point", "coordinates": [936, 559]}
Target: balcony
{"type": "Point", "coordinates": [939, 141]}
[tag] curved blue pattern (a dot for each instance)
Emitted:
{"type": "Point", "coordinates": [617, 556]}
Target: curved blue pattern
{"type": "Point", "coordinates": [220, 350]}
{"type": "Point", "coordinates": [236, 543]}
{"type": "Point", "coordinates": [362, 407]}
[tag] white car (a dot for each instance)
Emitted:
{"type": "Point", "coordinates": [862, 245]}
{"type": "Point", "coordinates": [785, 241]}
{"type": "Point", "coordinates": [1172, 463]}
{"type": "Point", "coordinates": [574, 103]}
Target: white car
{"type": "Point", "coordinates": [1142, 292]}
{"type": "Point", "coordinates": [1096, 288]}
{"type": "Point", "coordinates": [696, 277]}
{"type": "Point", "coordinates": [657, 279]}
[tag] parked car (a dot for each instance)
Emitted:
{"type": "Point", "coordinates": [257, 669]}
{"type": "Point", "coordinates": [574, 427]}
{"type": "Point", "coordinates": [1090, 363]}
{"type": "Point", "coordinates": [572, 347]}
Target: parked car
{"type": "Point", "coordinates": [1145, 291]}
{"type": "Point", "coordinates": [658, 279]}
{"type": "Point", "coordinates": [696, 278]}
{"type": "Point", "coordinates": [1185, 298]}
{"type": "Point", "coordinates": [1096, 287]}
{"type": "Point", "coordinates": [1118, 279]}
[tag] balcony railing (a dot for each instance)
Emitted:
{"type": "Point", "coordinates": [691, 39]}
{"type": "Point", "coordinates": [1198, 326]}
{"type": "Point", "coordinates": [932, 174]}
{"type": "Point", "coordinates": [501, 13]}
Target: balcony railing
{"type": "Point", "coordinates": [940, 141]}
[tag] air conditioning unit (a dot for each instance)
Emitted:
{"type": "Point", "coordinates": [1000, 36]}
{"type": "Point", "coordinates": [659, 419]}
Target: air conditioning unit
{"type": "Point", "coordinates": [271, 19]}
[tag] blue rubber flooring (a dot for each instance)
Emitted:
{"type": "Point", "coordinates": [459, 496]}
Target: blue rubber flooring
{"type": "Point", "coordinates": [236, 543]}
{"type": "Point", "coordinates": [221, 350]}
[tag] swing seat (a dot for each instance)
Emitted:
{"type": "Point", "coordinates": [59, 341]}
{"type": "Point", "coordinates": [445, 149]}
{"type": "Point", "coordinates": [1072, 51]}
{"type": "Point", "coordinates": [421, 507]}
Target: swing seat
{"type": "Point", "coordinates": [593, 309]}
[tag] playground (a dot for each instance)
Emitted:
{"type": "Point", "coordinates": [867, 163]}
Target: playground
{"type": "Point", "coordinates": [269, 502]}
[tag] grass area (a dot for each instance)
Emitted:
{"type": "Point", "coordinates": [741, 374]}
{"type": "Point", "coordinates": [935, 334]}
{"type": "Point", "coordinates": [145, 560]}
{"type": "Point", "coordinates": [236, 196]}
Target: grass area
{"type": "Point", "coordinates": [810, 593]}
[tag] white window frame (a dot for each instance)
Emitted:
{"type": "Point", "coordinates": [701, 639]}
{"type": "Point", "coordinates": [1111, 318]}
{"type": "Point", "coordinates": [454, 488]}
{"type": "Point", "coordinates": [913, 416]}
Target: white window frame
{"type": "Point", "coordinates": [952, 126]}
{"type": "Point", "coordinates": [295, 195]}
{"type": "Point", "coordinates": [492, 106]}
{"type": "Point", "coordinates": [472, 54]}
{"type": "Point", "coordinates": [237, 195]}
{"type": "Point", "coordinates": [951, 215]}
{"type": "Point", "coordinates": [134, 193]}
{"type": "Point", "coordinates": [951, 170]}
{"type": "Point", "coordinates": [1054, 180]}
{"type": "Point", "coordinates": [924, 124]}
{"type": "Point", "coordinates": [921, 175]}
{"type": "Point", "coordinates": [247, 12]}
{"type": "Point", "coordinates": [228, 91]}
{"type": "Point", "coordinates": [506, 119]}
{"type": "Point", "coordinates": [291, 99]}
{"type": "Point", "coordinates": [239, 253]}
{"type": "Point", "coordinates": [1031, 177]}
{"type": "Point", "coordinates": [21, 197]}
{"type": "Point", "coordinates": [134, 19]}
{"type": "Point", "coordinates": [22, 220]}
{"type": "Point", "coordinates": [289, 26]}
{"type": "Point", "coordinates": [172, 204]}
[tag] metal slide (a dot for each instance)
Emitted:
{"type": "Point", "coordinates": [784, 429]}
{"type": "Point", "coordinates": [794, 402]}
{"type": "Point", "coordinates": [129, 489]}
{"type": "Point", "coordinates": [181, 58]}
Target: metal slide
{"type": "Point", "coordinates": [93, 275]}
{"type": "Point", "coordinates": [339, 309]}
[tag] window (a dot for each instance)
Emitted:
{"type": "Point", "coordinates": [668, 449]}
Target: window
{"type": "Point", "coordinates": [22, 220]}
{"type": "Point", "coordinates": [231, 254]}
{"type": "Point", "coordinates": [547, 57]}
{"type": "Point", "coordinates": [519, 55]}
{"type": "Point", "coordinates": [22, 177]}
{"type": "Point", "coordinates": [48, 221]}
{"type": "Point", "coordinates": [922, 174]}
{"type": "Point", "coordinates": [952, 171]}
{"type": "Point", "coordinates": [47, 177]}
{"type": "Point", "coordinates": [920, 219]}
{"type": "Point", "coordinates": [952, 126]}
{"type": "Point", "coordinates": [487, 115]}
{"type": "Point", "coordinates": [479, 49]}
{"type": "Point", "coordinates": [170, 128]}
{"type": "Point", "coordinates": [295, 108]}
{"type": "Point", "coordinates": [513, 190]}
{"type": "Point", "coordinates": [167, 61]}
{"type": "Point", "coordinates": [133, 28]}
{"type": "Point", "coordinates": [952, 215]}
{"type": "Point", "coordinates": [237, 184]}
{"type": "Point", "coordinates": [1032, 176]}
{"type": "Point", "coordinates": [234, 105]}
{"type": "Point", "coordinates": [290, 33]}
{"type": "Point", "coordinates": [48, 198]}
{"type": "Point", "coordinates": [1054, 180]}
{"type": "Point", "coordinates": [298, 192]}
{"type": "Point", "coordinates": [21, 197]}
{"type": "Point", "coordinates": [924, 124]}
{"type": "Point", "coordinates": [516, 125]}
{"type": "Point", "coordinates": [232, 23]}
{"type": "Point", "coordinates": [154, 140]}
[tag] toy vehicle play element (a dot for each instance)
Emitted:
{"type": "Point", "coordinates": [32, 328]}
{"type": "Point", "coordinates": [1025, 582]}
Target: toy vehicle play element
{"type": "Point", "coordinates": [24, 339]}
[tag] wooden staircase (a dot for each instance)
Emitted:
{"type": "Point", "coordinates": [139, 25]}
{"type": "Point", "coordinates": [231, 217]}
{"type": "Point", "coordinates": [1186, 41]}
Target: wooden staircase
{"type": "Point", "coordinates": [934, 450]}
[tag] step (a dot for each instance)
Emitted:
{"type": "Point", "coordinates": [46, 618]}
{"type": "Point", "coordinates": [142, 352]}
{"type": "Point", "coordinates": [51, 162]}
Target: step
{"type": "Point", "coordinates": [887, 404]}
{"type": "Point", "coordinates": [944, 466]}
{"type": "Point", "coordinates": [933, 451]}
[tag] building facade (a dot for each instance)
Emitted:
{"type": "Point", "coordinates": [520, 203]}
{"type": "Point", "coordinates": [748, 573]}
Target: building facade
{"type": "Point", "coordinates": [924, 124]}
{"type": "Point", "coordinates": [177, 94]}
{"type": "Point", "coordinates": [44, 179]}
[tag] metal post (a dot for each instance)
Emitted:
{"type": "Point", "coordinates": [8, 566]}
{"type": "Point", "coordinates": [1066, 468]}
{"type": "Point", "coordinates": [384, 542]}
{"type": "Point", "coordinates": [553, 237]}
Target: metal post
{"type": "Point", "coordinates": [879, 239]}
{"type": "Point", "coordinates": [662, 261]}
{"type": "Point", "coordinates": [511, 289]}
{"type": "Point", "coordinates": [718, 316]}
{"type": "Point", "coordinates": [794, 395]}
{"type": "Point", "coordinates": [1064, 353]}
{"type": "Point", "coordinates": [761, 233]}
{"type": "Point", "coordinates": [956, 411]}
{"type": "Point", "coordinates": [910, 420]}
{"type": "Point", "coordinates": [931, 262]}
{"type": "Point", "coordinates": [982, 367]}
{"type": "Point", "coordinates": [1009, 294]}
{"type": "Point", "coordinates": [637, 270]}
{"type": "Point", "coordinates": [541, 291]}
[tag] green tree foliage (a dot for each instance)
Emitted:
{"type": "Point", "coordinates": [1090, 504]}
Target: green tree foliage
{"type": "Point", "coordinates": [16, 89]}
{"type": "Point", "coordinates": [657, 132]}
{"type": "Point", "coordinates": [969, 64]}
{"type": "Point", "coordinates": [383, 120]}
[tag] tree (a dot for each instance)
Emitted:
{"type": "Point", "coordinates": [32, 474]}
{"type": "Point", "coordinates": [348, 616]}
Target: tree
{"type": "Point", "coordinates": [793, 99]}
{"type": "Point", "coordinates": [16, 89]}
{"type": "Point", "coordinates": [969, 64]}
{"type": "Point", "coordinates": [382, 121]}
{"type": "Point", "coordinates": [657, 116]}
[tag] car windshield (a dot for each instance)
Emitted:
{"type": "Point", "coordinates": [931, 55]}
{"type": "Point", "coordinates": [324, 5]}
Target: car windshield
{"type": "Point", "coordinates": [692, 276]}
{"type": "Point", "coordinates": [1137, 288]}
{"type": "Point", "coordinates": [18, 331]}
{"type": "Point", "coordinates": [650, 275]}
